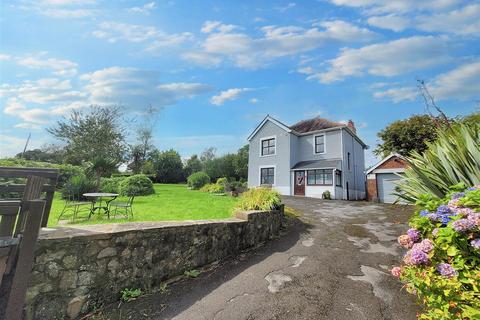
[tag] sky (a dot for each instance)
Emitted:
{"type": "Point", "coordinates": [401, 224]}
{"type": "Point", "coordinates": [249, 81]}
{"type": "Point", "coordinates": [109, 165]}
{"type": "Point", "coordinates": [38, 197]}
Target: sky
{"type": "Point", "coordinates": [215, 69]}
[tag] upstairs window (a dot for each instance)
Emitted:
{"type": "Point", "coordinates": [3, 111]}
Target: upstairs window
{"type": "Point", "coordinates": [348, 161]}
{"type": "Point", "coordinates": [321, 177]}
{"type": "Point", "coordinates": [268, 147]}
{"type": "Point", "coordinates": [320, 144]}
{"type": "Point", "coordinates": [267, 176]}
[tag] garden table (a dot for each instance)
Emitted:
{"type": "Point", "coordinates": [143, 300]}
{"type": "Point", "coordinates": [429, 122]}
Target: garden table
{"type": "Point", "coordinates": [97, 201]}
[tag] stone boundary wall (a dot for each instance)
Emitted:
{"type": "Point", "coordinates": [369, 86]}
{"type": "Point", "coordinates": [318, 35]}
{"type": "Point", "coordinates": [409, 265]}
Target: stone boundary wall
{"type": "Point", "coordinates": [82, 268]}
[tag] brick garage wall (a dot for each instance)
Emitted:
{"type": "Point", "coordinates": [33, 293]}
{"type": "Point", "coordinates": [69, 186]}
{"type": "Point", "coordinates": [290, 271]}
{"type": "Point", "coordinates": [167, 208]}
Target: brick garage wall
{"type": "Point", "coordinates": [77, 270]}
{"type": "Point", "coordinates": [372, 189]}
{"type": "Point", "coordinates": [392, 163]}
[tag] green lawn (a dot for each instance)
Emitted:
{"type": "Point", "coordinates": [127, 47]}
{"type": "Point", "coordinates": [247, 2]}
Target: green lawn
{"type": "Point", "coordinates": [170, 202]}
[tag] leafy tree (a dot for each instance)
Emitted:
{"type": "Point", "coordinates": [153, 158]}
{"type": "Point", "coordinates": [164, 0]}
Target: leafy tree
{"type": "Point", "coordinates": [101, 167]}
{"type": "Point", "coordinates": [208, 154]}
{"type": "Point", "coordinates": [221, 167]}
{"type": "Point", "coordinates": [241, 162]}
{"type": "Point", "coordinates": [93, 133]}
{"type": "Point", "coordinates": [168, 166]}
{"type": "Point", "coordinates": [144, 135]}
{"type": "Point", "coordinates": [405, 136]}
{"type": "Point", "coordinates": [192, 165]}
{"type": "Point", "coordinates": [48, 153]}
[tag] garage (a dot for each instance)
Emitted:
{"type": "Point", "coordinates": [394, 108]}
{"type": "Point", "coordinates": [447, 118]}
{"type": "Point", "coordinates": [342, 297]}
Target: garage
{"type": "Point", "coordinates": [386, 187]}
{"type": "Point", "coordinates": [382, 178]}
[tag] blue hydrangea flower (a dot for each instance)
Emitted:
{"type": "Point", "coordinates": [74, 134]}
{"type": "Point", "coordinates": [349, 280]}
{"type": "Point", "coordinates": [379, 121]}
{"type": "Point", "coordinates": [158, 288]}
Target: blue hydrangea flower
{"type": "Point", "coordinates": [446, 270]}
{"type": "Point", "coordinates": [445, 219]}
{"type": "Point", "coordinates": [424, 213]}
{"type": "Point", "coordinates": [458, 195]}
{"type": "Point", "coordinates": [444, 210]}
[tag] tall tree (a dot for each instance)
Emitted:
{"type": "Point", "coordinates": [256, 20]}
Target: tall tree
{"type": "Point", "coordinates": [192, 165]}
{"type": "Point", "coordinates": [144, 136]}
{"type": "Point", "coordinates": [168, 166]}
{"type": "Point", "coordinates": [405, 136]}
{"type": "Point", "coordinates": [241, 162]}
{"type": "Point", "coordinates": [96, 132]}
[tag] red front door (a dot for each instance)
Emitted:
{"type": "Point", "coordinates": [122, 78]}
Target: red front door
{"type": "Point", "coordinates": [299, 188]}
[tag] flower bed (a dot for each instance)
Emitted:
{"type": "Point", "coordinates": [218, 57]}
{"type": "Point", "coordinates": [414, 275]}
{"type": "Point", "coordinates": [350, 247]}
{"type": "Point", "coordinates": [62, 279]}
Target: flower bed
{"type": "Point", "coordinates": [442, 264]}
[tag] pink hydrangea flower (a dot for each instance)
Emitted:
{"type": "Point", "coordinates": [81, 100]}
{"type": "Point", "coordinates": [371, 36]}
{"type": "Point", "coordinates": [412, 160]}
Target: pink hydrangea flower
{"type": "Point", "coordinates": [415, 257]}
{"type": "Point", "coordinates": [396, 272]}
{"type": "Point", "coordinates": [414, 234]}
{"type": "Point", "coordinates": [435, 232]}
{"type": "Point", "coordinates": [475, 218]}
{"type": "Point", "coordinates": [453, 204]}
{"type": "Point", "coordinates": [405, 241]}
{"type": "Point", "coordinates": [464, 212]}
{"type": "Point", "coordinates": [426, 246]}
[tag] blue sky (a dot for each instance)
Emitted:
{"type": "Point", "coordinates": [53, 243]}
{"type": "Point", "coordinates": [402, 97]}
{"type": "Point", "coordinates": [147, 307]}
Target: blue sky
{"type": "Point", "coordinates": [216, 68]}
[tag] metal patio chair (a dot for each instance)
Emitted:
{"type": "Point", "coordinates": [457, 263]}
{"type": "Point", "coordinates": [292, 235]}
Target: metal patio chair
{"type": "Point", "coordinates": [127, 206]}
{"type": "Point", "coordinates": [74, 205]}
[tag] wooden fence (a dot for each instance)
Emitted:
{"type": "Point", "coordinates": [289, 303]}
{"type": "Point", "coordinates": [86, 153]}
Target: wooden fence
{"type": "Point", "coordinates": [23, 211]}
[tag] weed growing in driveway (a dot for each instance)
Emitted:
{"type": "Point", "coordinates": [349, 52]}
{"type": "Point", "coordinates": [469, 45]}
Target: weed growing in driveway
{"type": "Point", "coordinates": [131, 294]}
{"type": "Point", "coordinates": [192, 273]}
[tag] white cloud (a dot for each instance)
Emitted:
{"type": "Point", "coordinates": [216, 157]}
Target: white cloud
{"type": "Point", "coordinates": [397, 6]}
{"type": "Point", "coordinates": [156, 39]}
{"type": "Point", "coordinates": [59, 67]}
{"type": "Point", "coordinates": [136, 88]}
{"type": "Point", "coordinates": [227, 43]}
{"type": "Point", "coordinates": [461, 83]}
{"type": "Point", "coordinates": [41, 101]}
{"type": "Point", "coordinates": [463, 21]}
{"type": "Point", "coordinates": [5, 57]}
{"type": "Point", "coordinates": [211, 26]}
{"type": "Point", "coordinates": [61, 9]}
{"type": "Point", "coordinates": [253, 101]}
{"type": "Point", "coordinates": [230, 94]}
{"type": "Point", "coordinates": [145, 9]}
{"type": "Point", "coordinates": [398, 94]}
{"type": "Point", "coordinates": [393, 22]}
{"type": "Point", "coordinates": [27, 125]}
{"type": "Point", "coordinates": [387, 59]}
{"type": "Point", "coordinates": [289, 6]}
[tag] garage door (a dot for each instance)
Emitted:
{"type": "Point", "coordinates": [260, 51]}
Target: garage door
{"type": "Point", "coordinates": [386, 187]}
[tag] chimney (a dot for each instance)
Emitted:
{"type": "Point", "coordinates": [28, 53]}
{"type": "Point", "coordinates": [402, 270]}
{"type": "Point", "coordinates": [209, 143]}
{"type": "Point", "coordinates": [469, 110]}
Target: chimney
{"type": "Point", "coordinates": [351, 125]}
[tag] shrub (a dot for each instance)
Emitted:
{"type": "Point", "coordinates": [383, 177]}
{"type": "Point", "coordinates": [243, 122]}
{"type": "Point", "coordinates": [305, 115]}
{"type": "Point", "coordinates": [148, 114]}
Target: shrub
{"type": "Point", "coordinates": [259, 199]}
{"type": "Point", "coordinates": [66, 171]}
{"type": "Point", "coordinates": [213, 188]}
{"type": "Point", "coordinates": [136, 185]}
{"type": "Point", "coordinates": [453, 158]}
{"type": "Point", "coordinates": [442, 264]}
{"type": "Point", "coordinates": [76, 186]}
{"type": "Point", "coordinates": [198, 180]}
{"type": "Point", "coordinates": [111, 185]}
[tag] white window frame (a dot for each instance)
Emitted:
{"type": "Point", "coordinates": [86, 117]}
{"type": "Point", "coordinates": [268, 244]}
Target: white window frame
{"type": "Point", "coordinates": [274, 174]}
{"type": "Point", "coordinates": [324, 143]}
{"type": "Point", "coordinates": [261, 143]}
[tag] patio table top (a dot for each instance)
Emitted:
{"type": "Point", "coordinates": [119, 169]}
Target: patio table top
{"type": "Point", "coordinates": [100, 194]}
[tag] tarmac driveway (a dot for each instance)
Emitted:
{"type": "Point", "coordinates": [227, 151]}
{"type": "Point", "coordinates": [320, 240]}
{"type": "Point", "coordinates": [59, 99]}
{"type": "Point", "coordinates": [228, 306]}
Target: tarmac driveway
{"type": "Point", "coordinates": [332, 265]}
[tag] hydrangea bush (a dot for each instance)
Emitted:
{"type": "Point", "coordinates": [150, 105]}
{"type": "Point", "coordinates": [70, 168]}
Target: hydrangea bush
{"type": "Point", "coordinates": [442, 264]}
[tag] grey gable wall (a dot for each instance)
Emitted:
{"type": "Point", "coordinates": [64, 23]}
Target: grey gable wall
{"type": "Point", "coordinates": [333, 146]}
{"type": "Point", "coordinates": [356, 175]}
{"type": "Point", "coordinates": [281, 160]}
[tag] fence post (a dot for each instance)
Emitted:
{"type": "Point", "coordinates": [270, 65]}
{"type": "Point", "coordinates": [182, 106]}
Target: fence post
{"type": "Point", "coordinates": [26, 256]}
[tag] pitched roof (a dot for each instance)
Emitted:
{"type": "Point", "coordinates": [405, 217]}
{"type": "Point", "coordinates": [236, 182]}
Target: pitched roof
{"type": "Point", "coordinates": [314, 124]}
{"type": "Point", "coordinates": [385, 160]}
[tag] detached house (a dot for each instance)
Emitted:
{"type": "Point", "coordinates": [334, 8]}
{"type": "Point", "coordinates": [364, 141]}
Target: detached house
{"type": "Point", "coordinates": [308, 158]}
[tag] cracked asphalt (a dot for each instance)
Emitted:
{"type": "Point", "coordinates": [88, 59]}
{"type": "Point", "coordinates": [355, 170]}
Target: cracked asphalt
{"type": "Point", "coordinates": [332, 264]}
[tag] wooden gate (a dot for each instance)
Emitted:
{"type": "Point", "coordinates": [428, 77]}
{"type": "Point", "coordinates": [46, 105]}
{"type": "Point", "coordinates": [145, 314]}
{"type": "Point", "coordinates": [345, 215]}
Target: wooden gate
{"type": "Point", "coordinates": [23, 211]}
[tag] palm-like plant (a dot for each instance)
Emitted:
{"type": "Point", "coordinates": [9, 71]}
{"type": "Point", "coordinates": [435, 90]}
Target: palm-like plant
{"type": "Point", "coordinates": [101, 166]}
{"type": "Point", "coordinates": [453, 158]}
